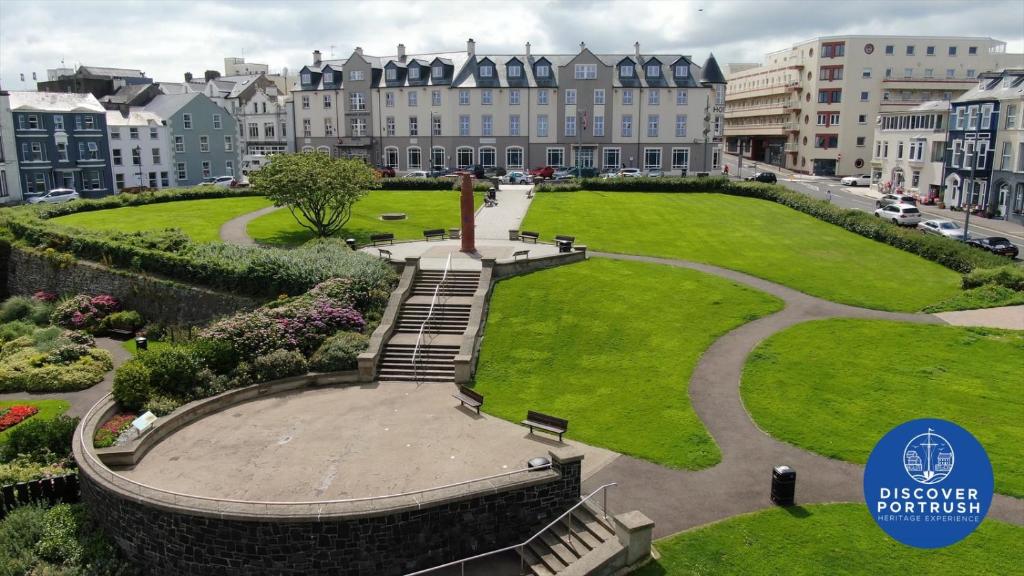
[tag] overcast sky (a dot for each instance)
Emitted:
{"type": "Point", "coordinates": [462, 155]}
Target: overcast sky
{"type": "Point", "coordinates": [167, 38]}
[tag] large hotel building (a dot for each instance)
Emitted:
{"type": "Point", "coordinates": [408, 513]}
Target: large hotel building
{"type": "Point", "coordinates": [460, 109]}
{"type": "Point", "coordinates": [813, 108]}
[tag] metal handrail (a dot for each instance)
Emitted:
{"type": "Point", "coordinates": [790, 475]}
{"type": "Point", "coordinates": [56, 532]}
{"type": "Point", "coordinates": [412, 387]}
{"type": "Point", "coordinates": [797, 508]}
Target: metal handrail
{"type": "Point", "coordinates": [430, 314]}
{"type": "Point", "coordinates": [86, 449]}
{"type": "Point", "coordinates": [522, 545]}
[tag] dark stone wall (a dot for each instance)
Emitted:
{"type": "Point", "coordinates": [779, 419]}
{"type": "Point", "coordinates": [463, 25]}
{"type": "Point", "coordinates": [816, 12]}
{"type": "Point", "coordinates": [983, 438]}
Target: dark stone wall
{"type": "Point", "coordinates": [161, 542]}
{"type": "Point", "coordinates": [155, 298]}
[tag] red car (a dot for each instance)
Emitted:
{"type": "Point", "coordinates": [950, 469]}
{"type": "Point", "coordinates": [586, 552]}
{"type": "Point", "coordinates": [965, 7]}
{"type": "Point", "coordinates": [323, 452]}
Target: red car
{"type": "Point", "coordinates": [543, 172]}
{"type": "Point", "coordinates": [385, 172]}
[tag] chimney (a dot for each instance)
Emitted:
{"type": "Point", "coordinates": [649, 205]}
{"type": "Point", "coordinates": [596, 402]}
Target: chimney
{"type": "Point", "coordinates": [582, 46]}
{"type": "Point", "coordinates": [188, 76]}
{"type": "Point", "coordinates": [470, 47]}
{"type": "Point", "coordinates": [359, 50]}
{"type": "Point", "coordinates": [527, 50]}
{"type": "Point", "coordinates": [401, 52]}
{"type": "Point", "coordinates": [316, 57]}
{"type": "Point", "coordinates": [636, 46]}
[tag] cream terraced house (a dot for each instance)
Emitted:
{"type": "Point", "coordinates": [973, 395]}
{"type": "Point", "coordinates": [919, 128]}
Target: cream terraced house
{"type": "Point", "coordinates": [909, 150]}
{"type": "Point", "coordinates": [812, 108]}
{"type": "Point", "coordinates": [460, 109]}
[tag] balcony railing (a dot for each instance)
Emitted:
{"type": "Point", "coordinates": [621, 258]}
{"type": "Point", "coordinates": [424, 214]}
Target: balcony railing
{"type": "Point", "coordinates": [791, 126]}
{"type": "Point", "coordinates": [790, 147]}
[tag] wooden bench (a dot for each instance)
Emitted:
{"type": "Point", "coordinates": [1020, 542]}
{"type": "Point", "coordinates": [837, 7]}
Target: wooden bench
{"type": "Point", "coordinates": [384, 254]}
{"type": "Point", "coordinates": [469, 397]}
{"type": "Point", "coordinates": [385, 237]}
{"type": "Point", "coordinates": [546, 423]}
{"type": "Point", "coordinates": [518, 253]}
{"type": "Point", "coordinates": [525, 235]}
{"type": "Point", "coordinates": [435, 233]}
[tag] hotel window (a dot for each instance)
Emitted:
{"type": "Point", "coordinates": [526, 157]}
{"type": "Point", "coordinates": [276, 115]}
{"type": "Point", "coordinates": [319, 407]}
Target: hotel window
{"type": "Point", "coordinates": [826, 141]}
{"type": "Point", "coordinates": [463, 97]}
{"type": "Point", "coordinates": [915, 178]}
{"type": "Point", "coordinates": [412, 158]}
{"type": "Point", "coordinates": [513, 97]}
{"type": "Point", "coordinates": [58, 123]}
{"type": "Point", "coordinates": [910, 50]}
{"type": "Point", "coordinates": [389, 126]}
{"type": "Point", "coordinates": [612, 158]}
{"type": "Point", "coordinates": [929, 73]}
{"type": "Point", "coordinates": [156, 155]}
{"type": "Point", "coordinates": [556, 156]}
{"type": "Point", "coordinates": [542, 125]}
{"type": "Point", "coordinates": [437, 157]}
{"type": "Point", "coordinates": [154, 133]}
{"type": "Point", "coordinates": [414, 126]}
{"type": "Point", "coordinates": [570, 96]}
{"type": "Point", "coordinates": [327, 102]}
{"type": "Point", "coordinates": [186, 121]}
{"type": "Point", "coordinates": [986, 116]}
{"type": "Point", "coordinates": [653, 97]}
{"type": "Point", "coordinates": [216, 121]}
{"type": "Point", "coordinates": [435, 97]}
{"type": "Point", "coordinates": [1011, 116]}
{"type": "Point", "coordinates": [627, 125]}
{"type": "Point", "coordinates": [930, 51]}
{"type": "Point", "coordinates": [860, 140]}
{"type": "Point", "coordinates": [599, 96]}
{"type": "Point", "coordinates": [206, 169]}
{"type": "Point", "coordinates": [514, 157]}
{"type": "Point", "coordinates": [570, 125]}
{"type": "Point", "coordinates": [204, 143]}
{"type": "Point", "coordinates": [357, 127]}
{"type": "Point", "coordinates": [229, 143]}
{"type": "Point", "coordinates": [437, 71]}
{"type": "Point", "coordinates": [268, 129]}
{"type": "Point", "coordinates": [391, 74]}
{"type": "Point", "coordinates": [305, 102]}
{"type": "Point", "coordinates": [119, 181]}
{"type": "Point", "coordinates": [487, 125]}
{"type": "Point", "coordinates": [463, 157]}
{"type": "Point", "coordinates": [254, 130]}
{"type": "Point", "coordinates": [355, 75]}
{"type": "Point", "coordinates": [598, 125]}
{"type": "Point", "coordinates": [1004, 163]}
{"type": "Point", "coordinates": [133, 133]}
{"type": "Point", "coordinates": [972, 118]}
{"type": "Point", "coordinates": [982, 154]}
{"type": "Point", "coordinates": [833, 50]}
{"type": "Point", "coordinates": [542, 97]}
{"type": "Point", "coordinates": [391, 157]}
{"type": "Point", "coordinates": [652, 125]}
{"type": "Point", "coordinates": [358, 101]}
{"type": "Point", "coordinates": [862, 119]}
{"type": "Point", "coordinates": [680, 158]}
{"type": "Point", "coordinates": [62, 152]}
{"type": "Point", "coordinates": [90, 123]}
{"type": "Point", "coordinates": [515, 71]}
{"type": "Point", "coordinates": [464, 125]}
{"type": "Point", "coordinates": [682, 97]}
{"type": "Point", "coordinates": [627, 97]}
{"type": "Point", "coordinates": [414, 73]}
{"type": "Point", "coordinates": [182, 172]}
{"type": "Point", "coordinates": [586, 71]}
{"type": "Point", "coordinates": [972, 51]}
{"type": "Point", "coordinates": [414, 99]}
{"type": "Point", "coordinates": [513, 125]}
{"type": "Point", "coordinates": [488, 157]}
{"type": "Point", "coordinates": [179, 143]}
{"type": "Point", "coordinates": [486, 97]}
{"type": "Point", "coordinates": [486, 71]}
{"type": "Point", "coordinates": [116, 157]}
{"type": "Point", "coordinates": [306, 79]}
{"type": "Point", "coordinates": [165, 180]}
{"type": "Point", "coordinates": [971, 73]}
{"type": "Point", "coordinates": [435, 125]}
{"type": "Point", "coordinates": [78, 121]}
{"type": "Point", "coordinates": [653, 70]}
{"type": "Point", "coordinates": [680, 125]}
{"type": "Point", "coordinates": [952, 50]}
{"type": "Point", "coordinates": [652, 158]}
{"type": "Point", "coordinates": [866, 73]}
{"type": "Point", "coordinates": [899, 150]}
{"type": "Point", "coordinates": [543, 70]}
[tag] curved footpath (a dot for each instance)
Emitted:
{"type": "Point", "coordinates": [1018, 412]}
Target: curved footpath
{"type": "Point", "coordinates": [234, 231]}
{"type": "Point", "coordinates": [82, 400]}
{"type": "Point", "coordinates": [680, 499]}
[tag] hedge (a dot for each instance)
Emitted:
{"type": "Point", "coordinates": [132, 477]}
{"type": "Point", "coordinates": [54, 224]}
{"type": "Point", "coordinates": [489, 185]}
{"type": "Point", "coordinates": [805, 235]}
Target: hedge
{"type": "Point", "coordinates": [949, 253]}
{"type": "Point", "coordinates": [121, 200]}
{"type": "Point", "coordinates": [430, 184]}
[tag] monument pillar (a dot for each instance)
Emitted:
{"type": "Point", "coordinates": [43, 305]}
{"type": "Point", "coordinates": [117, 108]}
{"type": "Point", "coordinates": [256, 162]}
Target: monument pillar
{"type": "Point", "coordinates": [468, 233]}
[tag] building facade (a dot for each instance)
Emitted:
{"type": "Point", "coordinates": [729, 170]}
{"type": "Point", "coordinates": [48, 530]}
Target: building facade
{"type": "Point", "coordinates": [910, 150]}
{"type": "Point", "coordinates": [140, 150]}
{"type": "Point", "coordinates": [260, 113]}
{"type": "Point", "coordinates": [10, 179]}
{"type": "Point", "coordinates": [203, 137]}
{"type": "Point", "coordinates": [812, 107]}
{"type": "Point", "coordinates": [61, 142]}
{"type": "Point", "coordinates": [461, 109]}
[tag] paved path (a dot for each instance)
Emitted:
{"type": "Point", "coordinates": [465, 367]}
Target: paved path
{"type": "Point", "coordinates": [678, 499]}
{"type": "Point", "coordinates": [82, 400]}
{"type": "Point", "coordinates": [513, 202]}
{"type": "Point", "coordinates": [233, 231]}
{"type": "Point", "coordinates": [1011, 317]}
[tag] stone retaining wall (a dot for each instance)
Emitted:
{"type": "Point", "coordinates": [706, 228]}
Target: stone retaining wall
{"type": "Point", "coordinates": [155, 298]}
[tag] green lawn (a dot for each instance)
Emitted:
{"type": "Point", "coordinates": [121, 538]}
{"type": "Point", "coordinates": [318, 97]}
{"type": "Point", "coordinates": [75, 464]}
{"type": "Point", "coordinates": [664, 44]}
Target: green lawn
{"type": "Point", "coordinates": [828, 539]}
{"type": "Point", "coordinates": [48, 410]}
{"type": "Point", "coordinates": [837, 386]}
{"type": "Point", "coordinates": [754, 236]}
{"type": "Point", "coordinates": [610, 345]}
{"type": "Point", "coordinates": [151, 345]}
{"type": "Point", "coordinates": [424, 210]}
{"type": "Point", "coordinates": [200, 219]}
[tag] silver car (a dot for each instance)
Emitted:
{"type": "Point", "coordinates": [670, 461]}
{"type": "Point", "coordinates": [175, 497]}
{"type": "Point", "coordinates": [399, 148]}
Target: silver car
{"type": "Point", "coordinates": [55, 196]}
{"type": "Point", "coordinates": [900, 214]}
{"type": "Point", "coordinates": [946, 228]}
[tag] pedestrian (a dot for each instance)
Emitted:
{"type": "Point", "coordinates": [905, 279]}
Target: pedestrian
{"type": "Point", "coordinates": [725, 169]}
{"type": "Point", "coordinates": [828, 195]}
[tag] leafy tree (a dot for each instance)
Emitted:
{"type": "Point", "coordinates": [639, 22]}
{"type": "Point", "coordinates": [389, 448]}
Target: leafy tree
{"type": "Point", "coordinates": [318, 190]}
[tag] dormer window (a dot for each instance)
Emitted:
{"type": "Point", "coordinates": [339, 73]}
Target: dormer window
{"type": "Point", "coordinates": [626, 70]}
{"type": "Point", "coordinates": [515, 71]}
{"type": "Point", "coordinates": [543, 70]}
{"type": "Point", "coordinates": [682, 70]}
{"type": "Point", "coordinates": [437, 71]}
{"type": "Point", "coordinates": [414, 73]}
{"type": "Point", "coordinates": [653, 70]}
{"type": "Point", "coordinates": [392, 74]}
{"type": "Point", "coordinates": [306, 78]}
{"type": "Point", "coordinates": [486, 71]}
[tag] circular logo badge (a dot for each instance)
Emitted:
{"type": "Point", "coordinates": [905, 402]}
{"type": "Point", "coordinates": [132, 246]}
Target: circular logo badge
{"type": "Point", "coordinates": [869, 48]}
{"type": "Point", "coordinates": [928, 483]}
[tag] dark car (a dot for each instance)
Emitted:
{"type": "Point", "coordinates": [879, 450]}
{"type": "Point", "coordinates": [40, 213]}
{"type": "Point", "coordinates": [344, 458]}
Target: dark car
{"type": "Point", "coordinates": [766, 177]}
{"type": "Point", "coordinates": [996, 245]}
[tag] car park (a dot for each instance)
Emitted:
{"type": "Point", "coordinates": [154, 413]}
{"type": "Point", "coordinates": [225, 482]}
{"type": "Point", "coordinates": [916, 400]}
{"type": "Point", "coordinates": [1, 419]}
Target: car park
{"type": "Point", "coordinates": [765, 177]}
{"type": "Point", "coordinates": [900, 214]}
{"type": "Point", "coordinates": [996, 245]}
{"type": "Point", "coordinates": [946, 228]}
{"type": "Point", "coordinates": [862, 180]}
{"type": "Point", "coordinates": [895, 199]}
{"type": "Point", "coordinates": [55, 196]}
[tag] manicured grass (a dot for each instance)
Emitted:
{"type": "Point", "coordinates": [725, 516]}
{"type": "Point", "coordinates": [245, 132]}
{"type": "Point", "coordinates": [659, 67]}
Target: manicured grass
{"type": "Point", "coordinates": [610, 346]}
{"type": "Point", "coordinates": [837, 386]}
{"type": "Point", "coordinates": [151, 345]}
{"type": "Point", "coordinates": [424, 209]}
{"type": "Point", "coordinates": [754, 236]}
{"type": "Point", "coordinates": [828, 539]}
{"type": "Point", "coordinates": [48, 410]}
{"type": "Point", "coordinates": [200, 219]}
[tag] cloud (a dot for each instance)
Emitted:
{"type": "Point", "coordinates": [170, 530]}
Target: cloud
{"type": "Point", "coordinates": [167, 38]}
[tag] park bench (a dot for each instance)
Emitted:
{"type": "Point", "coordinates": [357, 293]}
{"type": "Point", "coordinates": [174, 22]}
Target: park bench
{"type": "Point", "coordinates": [546, 423]}
{"type": "Point", "coordinates": [518, 253]}
{"type": "Point", "coordinates": [384, 237]}
{"type": "Point", "coordinates": [527, 235]}
{"type": "Point", "coordinates": [384, 254]}
{"type": "Point", "coordinates": [435, 233]}
{"type": "Point", "coordinates": [561, 238]}
{"type": "Point", "coordinates": [469, 398]}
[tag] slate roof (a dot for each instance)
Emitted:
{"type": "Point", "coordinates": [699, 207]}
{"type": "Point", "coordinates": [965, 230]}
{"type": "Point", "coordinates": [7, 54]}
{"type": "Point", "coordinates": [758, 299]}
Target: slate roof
{"type": "Point", "coordinates": [54, 102]}
{"type": "Point", "coordinates": [712, 74]}
{"type": "Point", "coordinates": [166, 105]}
{"type": "Point", "coordinates": [112, 72]}
{"type": "Point", "coordinates": [126, 94]}
{"type": "Point", "coordinates": [995, 88]}
{"type": "Point", "coordinates": [137, 116]}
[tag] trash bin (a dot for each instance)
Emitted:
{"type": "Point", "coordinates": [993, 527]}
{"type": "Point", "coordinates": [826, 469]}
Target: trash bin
{"type": "Point", "coordinates": [783, 485]}
{"type": "Point", "coordinates": [454, 233]}
{"type": "Point", "coordinates": [141, 343]}
{"type": "Point", "coordinates": [351, 243]}
{"type": "Point", "coordinates": [564, 246]}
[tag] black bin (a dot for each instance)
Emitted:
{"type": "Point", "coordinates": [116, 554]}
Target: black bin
{"type": "Point", "coordinates": [783, 485]}
{"type": "Point", "coordinates": [564, 246]}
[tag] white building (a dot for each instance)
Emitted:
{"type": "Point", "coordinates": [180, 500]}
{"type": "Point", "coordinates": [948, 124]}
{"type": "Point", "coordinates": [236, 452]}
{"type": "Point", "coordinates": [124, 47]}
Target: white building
{"type": "Point", "coordinates": [140, 150]}
{"type": "Point", "coordinates": [910, 149]}
{"type": "Point", "coordinates": [10, 178]}
{"type": "Point", "coordinates": [259, 108]}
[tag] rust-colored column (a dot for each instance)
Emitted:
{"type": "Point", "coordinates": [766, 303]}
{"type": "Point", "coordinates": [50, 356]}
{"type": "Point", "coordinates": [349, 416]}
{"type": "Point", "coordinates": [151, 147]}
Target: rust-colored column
{"type": "Point", "coordinates": [468, 233]}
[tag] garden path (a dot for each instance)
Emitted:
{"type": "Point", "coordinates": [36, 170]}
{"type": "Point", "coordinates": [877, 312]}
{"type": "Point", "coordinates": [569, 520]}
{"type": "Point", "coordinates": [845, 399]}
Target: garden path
{"type": "Point", "coordinates": [680, 499]}
{"type": "Point", "coordinates": [493, 223]}
{"type": "Point", "coordinates": [82, 400]}
{"type": "Point", "coordinates": [1010, 317]}
{"type": "Point", "coordinates": [234, 231]}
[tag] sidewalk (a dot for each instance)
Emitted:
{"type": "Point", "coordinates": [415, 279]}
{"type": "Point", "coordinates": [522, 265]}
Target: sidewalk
{"type": "Point", "coordinates": [513, 202]}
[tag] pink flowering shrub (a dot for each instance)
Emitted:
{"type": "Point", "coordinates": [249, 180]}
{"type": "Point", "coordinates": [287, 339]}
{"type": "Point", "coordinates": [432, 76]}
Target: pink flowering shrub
{"type": "Point", "coordinates": [44, 296]}
{"type": "Point", "coordinates": [84, 312]}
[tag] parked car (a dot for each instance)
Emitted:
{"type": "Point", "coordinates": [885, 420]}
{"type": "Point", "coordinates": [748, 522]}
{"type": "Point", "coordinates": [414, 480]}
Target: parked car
{"type": "Point", "coordinates": [895, 199]}
{"type": "Point", "coordinates": [242, 182]}
{"type": "Point", "coordinates": [516, 177]}
{"type": "Point", "coordinates": [222, 181]}
{"type": "Point", "coordinates": [543, 172]}
{"type": "Point", "coordinates": [900, 214]}
{"type": "Point", "coordinates": [630, 173]}
{"type": "Point", "coordinates": [55, 196]}
{"type": "Point", "coordinates": [946, 228]}
{"type": "Point", "coordinates": [654, 174]}
{"type": "Point", "coordinates": [417, 174]}
{"type": "Point", "coordinates": [610, 174]}
{"type": "Point", "coordinates": [996, 245]}
{"type": "Point", "coordinates": [766, 177]}
{"type": "Point", "coordinates": [862, 180]}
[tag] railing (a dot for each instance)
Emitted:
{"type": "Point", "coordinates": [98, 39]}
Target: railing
{"type": "Point", "coordinates": [140, 488]}
{"type": "Point", "coordinates": [521, 547]}
{"type": "Point", "coordinates": [430, 314]}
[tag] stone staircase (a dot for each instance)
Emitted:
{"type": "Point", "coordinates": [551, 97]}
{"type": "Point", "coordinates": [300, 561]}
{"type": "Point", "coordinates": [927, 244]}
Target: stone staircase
{"type": "Point", "coordinates": [443, 334]}
{"type": "Point", "coordinates": [558, 552]}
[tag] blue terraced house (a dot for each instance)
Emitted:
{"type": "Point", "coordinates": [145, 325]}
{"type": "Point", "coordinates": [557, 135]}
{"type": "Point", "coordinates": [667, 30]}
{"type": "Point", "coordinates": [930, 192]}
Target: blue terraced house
{"type": "Point", "coordinates": [61, 142]}
{"type": "Point", "coordinates": [204, 136]}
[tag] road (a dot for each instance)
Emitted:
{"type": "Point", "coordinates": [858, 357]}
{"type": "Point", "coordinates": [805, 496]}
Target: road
{"type": "Point", "coordinates": [862, 199]}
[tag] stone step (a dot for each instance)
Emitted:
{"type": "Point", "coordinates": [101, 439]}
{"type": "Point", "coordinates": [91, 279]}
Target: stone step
{"type": "Point", "coordinates": [581, 541]}
{"type": "Point", "coordinates": [559, 548]}
{"type": "Point", "coordinates": [596, 526]}
{"type": "Point", "coordinates": [546, 556]}
{"type": "Point", "coordinates": [535, 565]}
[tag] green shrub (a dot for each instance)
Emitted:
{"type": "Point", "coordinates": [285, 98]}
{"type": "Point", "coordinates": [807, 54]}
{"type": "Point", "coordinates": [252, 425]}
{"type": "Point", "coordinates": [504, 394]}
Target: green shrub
{"type": "Point", "coordinates": [12, 331]}
{"type": "Point", "coordinates": [19, 532]}
{"type": "Point", "coordinates": [276, 365]}
{"type": "Point", "coordinates": [416, 183]}
{"type": "Point", "coordinates": [25, 468]}
{"type": "Point", "coordinates": [985, 296]}
{"type": "Point", "coordinates": [161, 405]}
{"type": "Point", "coordinates": [29, 371]}
{"type": "Point", "coordinates": [40, 439]}
{"type": "Point", "coordinates": [59, 542]}
{"type": "Point", "coordinates": [1008, 276]}
{"type": "Point", "coordinates": [173, 370]}
{"type": "Point", "coordinates": [339, 352]}
{"type": "Point", "coordinates": [121, 200]}
{"type": "Point", "coordinates": [132, 388]}
{"type": "Point", "coordinates": [127, 320]}
{"type": "Point", "coordinates": [217, 355]}
{"type": "Point", "coordinates": [16, 308]}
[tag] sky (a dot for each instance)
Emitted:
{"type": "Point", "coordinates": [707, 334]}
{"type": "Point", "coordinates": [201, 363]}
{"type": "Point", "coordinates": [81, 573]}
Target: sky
{"type": "Point", "coordinates": [166, 38]}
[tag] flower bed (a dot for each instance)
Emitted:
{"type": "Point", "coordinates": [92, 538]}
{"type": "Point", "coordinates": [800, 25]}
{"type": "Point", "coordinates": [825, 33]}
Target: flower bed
{"type": "Point", "coordinates": [15, 415]}
{"type": "Point", "coordinates": [108, 433]}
